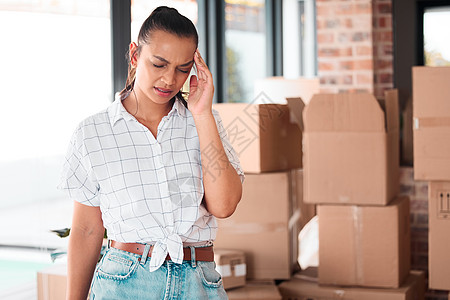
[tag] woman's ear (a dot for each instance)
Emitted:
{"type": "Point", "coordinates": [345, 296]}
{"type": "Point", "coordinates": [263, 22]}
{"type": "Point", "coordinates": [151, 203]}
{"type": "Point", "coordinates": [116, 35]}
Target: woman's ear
{"type": "Point", "coordinates": [133, 54]}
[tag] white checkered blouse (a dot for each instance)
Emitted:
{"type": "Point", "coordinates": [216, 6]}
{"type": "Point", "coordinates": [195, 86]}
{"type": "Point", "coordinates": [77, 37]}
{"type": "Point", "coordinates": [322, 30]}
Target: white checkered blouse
{"type": "Point", "coordinates": [149, 190]}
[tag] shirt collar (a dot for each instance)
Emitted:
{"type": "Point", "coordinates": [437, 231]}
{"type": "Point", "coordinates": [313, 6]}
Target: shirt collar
{"type": "Point", "coordinates": [117, 111]}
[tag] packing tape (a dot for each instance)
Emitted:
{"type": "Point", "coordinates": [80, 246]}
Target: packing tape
{"type": "Point", "coordinates": [240, 270]}
{"type": "Point", "coordinates": [357, 228]}
{"type": "Point", "coordinates": [419, 123]}
{"type": "Point", "coordinates": [224, 270]}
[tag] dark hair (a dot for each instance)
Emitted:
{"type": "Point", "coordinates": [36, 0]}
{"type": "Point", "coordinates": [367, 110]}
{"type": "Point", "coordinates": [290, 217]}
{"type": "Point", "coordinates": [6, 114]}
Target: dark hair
{"type": "Point", "coordinates": [165, 19]}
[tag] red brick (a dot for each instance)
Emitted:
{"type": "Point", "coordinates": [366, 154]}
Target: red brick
{"type": "Point", "coordinates": [363, 8]}
{"type": "Point", "coordinates": [346, 51]}
{"type": "Point", "coordinates": [385, 36]}
{"type": "Point", "coordinates": [347, 79]}
{"type": "Point", "coordinates": [383, 64]}
{"type": "Point", "coordinates": [344, 8]}
{"type": "Point", "coordinates": [348, 23]}
{"type": "Point", "coordinates": [344, 37]}
{"type": "Point", "coordinates": [406, 175]}
{"type": "Point", "coordinates": [327, 52]}
{"type": "Point", "coordinates": [385, 78]}
{"type": "Point", "coordinates": [332, 52]}
{"type": "Point", "coordinates": [327, 66]}
{"type": "Point", "coordinates": [422, 192]}
{"type": "Point", "coordinates": [360, 36]}
{"type": "Point", "coordinates": [406, 189]}
{"type": "Point", "coordinates": [322, 9]}
{"type": "Point", "coordinates": [419, 205]}
{"type": "Point", "coordinates": [328, 79]}
{"type": "Point", "coordinates": [364, 79]}
{"type": "Point", "coordinates": [325, 38]}
{"type": "Point", "coordinates": [365, 64]}
{"type": "Point", "coordinates": [421, 219]}
{"type": "Point", "coordinates": [384, 22]}
{"type": "Point", "coordinates": [384, 8]}
{"type": "Point", "coordinates": [320, 24]}
{"type": "Point", "coordinates": [387, 49]}
{"type": "Point", "coordinates": [332, 23]}
{"type": "Point", "coordinates": [363, 50]}
{"type": "Point", "coordinates": [346, 65]}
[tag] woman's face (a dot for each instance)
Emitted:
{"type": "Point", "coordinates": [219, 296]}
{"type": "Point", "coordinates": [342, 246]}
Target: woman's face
{"type": "Point", "coordinates": [163, 65]}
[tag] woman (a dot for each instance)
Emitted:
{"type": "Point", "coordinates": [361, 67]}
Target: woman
{"type": "Point", "coordinates": [155, 171]}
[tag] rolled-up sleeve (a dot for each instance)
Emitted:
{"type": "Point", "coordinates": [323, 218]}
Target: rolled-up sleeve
{"type": "Point", "coordinates": [229, 150]}
{"type": "Point", "coordinates": [77, 178]}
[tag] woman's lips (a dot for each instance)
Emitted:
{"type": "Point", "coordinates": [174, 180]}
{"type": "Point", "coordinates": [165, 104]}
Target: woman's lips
{"type": "Point", "coordinates": [162, 92]}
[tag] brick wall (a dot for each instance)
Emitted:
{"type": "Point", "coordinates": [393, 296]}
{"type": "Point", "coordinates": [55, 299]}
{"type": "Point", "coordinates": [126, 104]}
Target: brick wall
{"type": "Point", "coordinates": [382, 46]}
{"type": "Point", "coordinates": [354, 43]}
{"type": "Point", "coordinates": [418, 194]}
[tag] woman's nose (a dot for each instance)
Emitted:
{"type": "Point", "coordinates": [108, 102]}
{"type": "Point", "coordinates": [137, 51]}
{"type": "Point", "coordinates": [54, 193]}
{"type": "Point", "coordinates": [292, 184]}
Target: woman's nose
{"type": "Point", "coordinates": [169, 77]}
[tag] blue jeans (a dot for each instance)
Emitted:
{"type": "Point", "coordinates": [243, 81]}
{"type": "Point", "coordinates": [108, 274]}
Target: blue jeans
{"type": "Point", "coordinates": [123, 275]}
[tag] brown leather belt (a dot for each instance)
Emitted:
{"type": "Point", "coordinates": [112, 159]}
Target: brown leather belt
{"type": "Point", "coordinates": [201, 253]}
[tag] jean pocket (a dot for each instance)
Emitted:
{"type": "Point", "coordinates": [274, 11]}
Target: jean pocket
{"type": "Point", "coordinates": [210, 277]}
{"type": "Point", "coordinates": [117, 265]}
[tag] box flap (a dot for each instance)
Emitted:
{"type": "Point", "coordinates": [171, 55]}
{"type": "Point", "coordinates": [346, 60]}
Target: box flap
{"type": "Point", "coordinates": [392, 113]}
{"type": "Point", "coordinates": [343, 112]}
{"type": "Point", "coordinates": [296, 106]}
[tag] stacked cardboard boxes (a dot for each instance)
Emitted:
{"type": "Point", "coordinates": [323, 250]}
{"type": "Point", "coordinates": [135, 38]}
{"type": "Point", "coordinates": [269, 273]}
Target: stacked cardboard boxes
{"type": "Point", "coordinates": [351, 171]}
{"type": "Point", "coordinates": [431, 129]}
{"type": "Point", "coordinates": [271, 213]}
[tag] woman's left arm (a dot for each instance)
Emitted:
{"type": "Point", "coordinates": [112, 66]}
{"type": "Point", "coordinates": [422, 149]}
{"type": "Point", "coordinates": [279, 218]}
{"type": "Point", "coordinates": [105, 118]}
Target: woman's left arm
{"type": "Point", "coordinates": [222, 184]}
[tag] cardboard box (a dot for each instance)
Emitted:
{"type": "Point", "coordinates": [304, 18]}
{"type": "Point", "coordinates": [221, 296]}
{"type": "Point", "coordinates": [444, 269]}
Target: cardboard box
{"type": "Point", "coordinates": [431, 121]}
{"type": "Point", "coordinates": [308, 289]}
{"type": "Point", "coordinates": [364, 245]}
{"type": "Point", "coordinates": [51, 283]}
{"type": "Point", "coordinates": [438, 235]}
{"type": "Point", "coordinates": [262, 135]}
{"type": "Point", "coordinates": [351, 149]}
{"type": "Point", "coordinates": [265, 290]}
{"type": "Point", "coordinates": [231, 265]}
{"type": "Point", "coordinates": [266, 224]}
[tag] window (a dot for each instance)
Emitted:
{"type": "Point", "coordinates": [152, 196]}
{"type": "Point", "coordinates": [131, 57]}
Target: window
{"type": "Point", "coordinates": [245, 42]}
{"type": "Point", "coordinates": [299, 44]}
{"type": "Point", "coordinates": [55, 71]}
{"type": "Point", "coordinates": [436, 30]}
